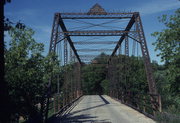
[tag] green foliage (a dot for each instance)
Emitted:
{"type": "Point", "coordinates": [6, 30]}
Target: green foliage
{"type": "Point", "coordinates": [168, 39]}
{"type": "Point", "coordinates": [168, 42]}
{"type": "Point", "coordinates": [27, 71]}
{"type": "Point", "coordinates": [105, 86]}
{"type": "Point", "coordinates": [94, 76]}
{"type": "Point", "coordinates": [102, 58]}
{"type": "Point", "coordinates": [168, 75]}
{"type": "Point", "coordinates": [167, 118]}
{"type": "Point", "coordinates": [137, 76]}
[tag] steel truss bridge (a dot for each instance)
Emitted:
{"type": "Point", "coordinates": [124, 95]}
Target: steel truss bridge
{"type": "Point", "coordinates": [78, 38]}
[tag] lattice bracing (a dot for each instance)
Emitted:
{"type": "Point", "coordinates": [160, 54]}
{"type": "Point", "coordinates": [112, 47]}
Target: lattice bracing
{"type": "Point", "coordinates": [110, 33]}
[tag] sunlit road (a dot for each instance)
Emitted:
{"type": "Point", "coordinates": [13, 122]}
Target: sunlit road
{"type": "Point", "coordinates": [102, 109]}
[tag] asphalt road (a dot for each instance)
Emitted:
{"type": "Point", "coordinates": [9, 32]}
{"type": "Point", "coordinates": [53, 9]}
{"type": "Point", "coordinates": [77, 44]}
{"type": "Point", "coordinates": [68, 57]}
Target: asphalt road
{"type": "Point", "coordinates": [102, 109]}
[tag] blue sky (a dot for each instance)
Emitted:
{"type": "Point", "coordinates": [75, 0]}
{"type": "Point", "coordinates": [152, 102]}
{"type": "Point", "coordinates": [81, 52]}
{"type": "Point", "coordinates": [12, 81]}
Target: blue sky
{"type": "Point", "coordinates": [38, 14]}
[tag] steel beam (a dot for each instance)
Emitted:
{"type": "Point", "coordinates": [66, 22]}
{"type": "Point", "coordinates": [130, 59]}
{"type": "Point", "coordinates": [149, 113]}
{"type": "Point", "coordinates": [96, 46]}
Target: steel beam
{"type": "Point", "coordinates": [86, 59]}
{"type": "Point", "coordinates": [68, 38]}
{"type": "Point", "coordinates": [90, 16]}
{"type": "Point", "coordinates": [88, 56]}
{"type": "Point", "coordinates": [97, 32]}
{"type": "Point", "coordinates": [130, 24]}
{"type": "Point", "coordinates": [145, 54]}
{"type": "Point", "coordinates": [65, 52]}
{"type": "Point", "coordinates": [133, 17]}
{"type": "Point", "coordinates": [126, 46]}
{"type": "Point", "coordinates": [94, 50]}
{"type": "Point", "coordinates": [111, 13]}
{"type": "Point", "coordinates": [134, 48]}
{"type": "Point", "coordinates": [54, 34]}
{"type": "Point", "coordinates": [70, 55]}
{"type": "Point", "coordinates": [94, 42]}
{"type": "Point", "coordinates": [133, 38]}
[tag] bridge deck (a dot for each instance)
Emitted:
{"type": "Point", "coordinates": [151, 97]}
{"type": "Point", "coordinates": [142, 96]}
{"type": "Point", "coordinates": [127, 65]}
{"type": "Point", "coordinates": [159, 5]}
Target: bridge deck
{"type": "Point", "coordinates": [103, 109]}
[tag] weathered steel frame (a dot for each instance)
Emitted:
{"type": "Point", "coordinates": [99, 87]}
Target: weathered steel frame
{"type": "Point", "coordinates": [141, 39]}
{"type": "Point", "coordinates": [134, 20]}
{"type": "Point", "coordinates": [59, 22]}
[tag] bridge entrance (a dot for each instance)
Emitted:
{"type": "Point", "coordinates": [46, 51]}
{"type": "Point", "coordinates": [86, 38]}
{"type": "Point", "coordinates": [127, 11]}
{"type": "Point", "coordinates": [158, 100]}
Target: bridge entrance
{"type": "Point", "coordinates": [109, 46]}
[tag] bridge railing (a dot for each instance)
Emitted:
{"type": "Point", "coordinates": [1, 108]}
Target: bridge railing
{"type": "Point", "coordinates": [69, 91]}
{"type": "Point", "coordinates": [128, 84]}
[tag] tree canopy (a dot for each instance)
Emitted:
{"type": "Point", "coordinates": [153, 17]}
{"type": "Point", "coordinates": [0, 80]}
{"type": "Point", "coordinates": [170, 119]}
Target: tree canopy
{"type": "Point", "coordinates": [27, 71]}
{"type": "Point", "coordinates": [168, 75]}
{"type": "Point", "coordinates": [168, 43]}
{"type": "Point", "coordinates": [168, 40]}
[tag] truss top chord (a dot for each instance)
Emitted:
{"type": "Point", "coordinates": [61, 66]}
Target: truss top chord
{"type": "Point", "coordinates": [95, 42]}
{"type": "Point", "coordinates": [97, 32]}
{"type": "Point", "coordinates": [97, 12]}
{"type": "Point", "coordinates": [86, 16]}
{"type": "Point", "coordinates": [89, 50]}
{"type": "Point", "coordinates": [108, 13]}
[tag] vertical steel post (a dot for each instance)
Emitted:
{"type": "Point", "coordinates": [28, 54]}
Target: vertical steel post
{"type": "Point", "coordinates": [54, 33]}
{"type": "Point", "coordinates": [65, 52]}
{"type": "Point", "coordinates": [126, 63]}
{"type": "Point", "coordinates": [145, 53]}
{"type": "Point", "coordinates": [70, 55]}
{"type": "Point", "coordinates": [126, 46]}
{"type": "Point", "coordinates": [134, 48]}
{"type": "Point", "coordinates": [147, 62]}
{"type": "Point", "coordinates": [52, 48]}
{"type": "Point", "coordinates": [58, 84]}
{"type": "Point", "coordinates": [134, 42]}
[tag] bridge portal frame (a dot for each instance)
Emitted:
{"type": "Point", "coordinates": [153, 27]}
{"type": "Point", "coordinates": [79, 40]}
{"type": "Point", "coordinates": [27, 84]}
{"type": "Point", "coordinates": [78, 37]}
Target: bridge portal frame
{"type": "Point", "coordinates": [60, 32]}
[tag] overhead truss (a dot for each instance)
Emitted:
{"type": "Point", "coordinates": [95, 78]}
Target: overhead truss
{"type": "Point", "coordinates": [61, 33]}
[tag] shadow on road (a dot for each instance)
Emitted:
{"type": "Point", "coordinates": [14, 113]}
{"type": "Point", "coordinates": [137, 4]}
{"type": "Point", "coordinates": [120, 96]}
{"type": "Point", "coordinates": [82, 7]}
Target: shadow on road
{"type": "Point", "coordinates": [75, 119]}
{"type": "Point", "coordinates": [86, 109]}
{"type": "Point", "coordinates": [105, 101]}
{"type": "Point", "coordinates": [70, 118]}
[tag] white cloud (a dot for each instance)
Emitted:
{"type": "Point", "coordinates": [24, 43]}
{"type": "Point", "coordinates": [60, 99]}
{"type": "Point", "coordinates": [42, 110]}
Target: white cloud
{"type": "Point", "coordinates": [157, 6]}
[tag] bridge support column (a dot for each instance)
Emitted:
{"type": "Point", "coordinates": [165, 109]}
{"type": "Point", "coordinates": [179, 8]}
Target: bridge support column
{"type": "Point", "coordinates": [147, 63]}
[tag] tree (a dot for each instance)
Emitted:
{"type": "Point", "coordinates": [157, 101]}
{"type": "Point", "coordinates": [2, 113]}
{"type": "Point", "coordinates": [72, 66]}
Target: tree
{"type": "Point", "coordinates": [168, 43]}
{"type": "Point", "coordinates": [27, 72]}
{"type": "Point", "coordinates": [168, 75]}
{"type": "Point", "coordinates": [4, 113]}
{"type": "Point", "coordinates": [168, 39]}
{"type": "Point", "coordinates": [94, 76]}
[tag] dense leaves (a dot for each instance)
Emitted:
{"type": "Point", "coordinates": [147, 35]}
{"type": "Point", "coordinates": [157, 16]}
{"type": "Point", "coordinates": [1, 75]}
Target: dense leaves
{"type": "Point", "coordinates": [168, 40]}
{"type": "Point", "coordinates": [94, 76]}
{"type": "Point", "coordinates": [126, 75]}
{"type": "Point", "coordinates": [27, 71]}
{"type": "Point", "coordinates": [168, 75]}
{"type": "Point", "coordinates": [168, 43]}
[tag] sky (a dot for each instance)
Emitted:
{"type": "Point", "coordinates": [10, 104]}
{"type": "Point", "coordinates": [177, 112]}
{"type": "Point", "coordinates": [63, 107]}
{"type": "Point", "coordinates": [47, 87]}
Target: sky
{"type": "Point", "coordinates": [38, 14]}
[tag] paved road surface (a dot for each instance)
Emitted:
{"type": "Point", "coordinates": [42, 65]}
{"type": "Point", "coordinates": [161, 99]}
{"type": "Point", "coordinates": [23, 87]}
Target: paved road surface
{"type": "Point", "coordinates": [103, 109]}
